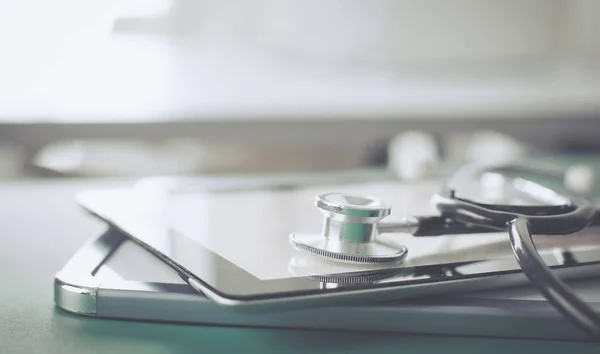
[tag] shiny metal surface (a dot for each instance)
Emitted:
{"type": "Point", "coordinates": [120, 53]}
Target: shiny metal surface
{"type": "Point", "coordinates": [75, 287]}
{"type": "Point", "coordinates": [364, 208]}
{"type": "Point", "coordinates": [350, 231]}
{"type": "Point", "coordinates": [139, 292]}
{"type": "Point", "coordinates": [408, 225]}
{"type": "Point", "coordinates": [374, 295]}
{"type": "Point", "coordinates": [370, 252]}
{"type": "Point", "coordinates": [554, 289]}
{"type": "Point", "coordinates": [75, 298]}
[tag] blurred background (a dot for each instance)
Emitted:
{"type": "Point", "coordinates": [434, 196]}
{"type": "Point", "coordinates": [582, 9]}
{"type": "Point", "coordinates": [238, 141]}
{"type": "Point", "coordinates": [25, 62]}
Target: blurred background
{"type": "Point", "coordinates": [146, 87]}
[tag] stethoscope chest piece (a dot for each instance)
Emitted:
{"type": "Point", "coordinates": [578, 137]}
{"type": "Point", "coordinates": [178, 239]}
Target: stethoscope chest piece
{"type": "Point", "coordinates": [350, 231]}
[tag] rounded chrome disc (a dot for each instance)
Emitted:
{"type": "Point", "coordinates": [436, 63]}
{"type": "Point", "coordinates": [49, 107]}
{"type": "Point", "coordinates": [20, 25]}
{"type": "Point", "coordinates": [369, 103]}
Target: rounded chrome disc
{"type": "Point", "coordinates": [374, 252]}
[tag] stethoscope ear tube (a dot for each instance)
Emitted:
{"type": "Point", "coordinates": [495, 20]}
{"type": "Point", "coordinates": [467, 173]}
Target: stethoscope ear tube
{"type": "Point", "coordinates": [544, 219]}
{"type": "Point", "coordinates": [555, 290]}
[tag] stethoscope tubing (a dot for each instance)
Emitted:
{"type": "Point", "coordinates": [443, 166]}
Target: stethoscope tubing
{"type": "Point", "coordinates": [573, 214]}
{"type": "Point", "coordinates": [554, 212]}
{"type": "Point", "coordinates": [553, 288]}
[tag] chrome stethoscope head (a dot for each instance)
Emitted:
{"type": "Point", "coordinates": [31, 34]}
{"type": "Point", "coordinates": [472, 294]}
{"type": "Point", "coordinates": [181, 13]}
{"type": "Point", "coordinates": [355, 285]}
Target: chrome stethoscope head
{"type": "Point", "coordinates": [350, 231]}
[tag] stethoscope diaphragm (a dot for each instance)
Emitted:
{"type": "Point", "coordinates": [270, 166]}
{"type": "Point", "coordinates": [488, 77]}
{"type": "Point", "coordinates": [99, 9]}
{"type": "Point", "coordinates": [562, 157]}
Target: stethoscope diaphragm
{"type": "Point", "coordinates": [350, 231]}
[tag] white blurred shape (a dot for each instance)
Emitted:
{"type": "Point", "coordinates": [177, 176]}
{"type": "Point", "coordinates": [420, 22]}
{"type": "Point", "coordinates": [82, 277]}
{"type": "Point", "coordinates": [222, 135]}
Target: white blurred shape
{"type": "Point", "coordinates": [492, 187]}
{"type": "Point", "coordinates": [118, 158]}
{"type": "Point", "coordinates": [413, 154]}
{"type": "Point", "coordinates": [490, 146]}
{"type": "Point", "coordinates": [580, 179]}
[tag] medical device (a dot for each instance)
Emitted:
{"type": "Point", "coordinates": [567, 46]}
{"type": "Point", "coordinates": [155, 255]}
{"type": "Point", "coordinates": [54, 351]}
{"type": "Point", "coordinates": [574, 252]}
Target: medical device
{"type": "Point", "coordinates": [230, 238]}
{"type": "Point", "coordinates": [352, 226]}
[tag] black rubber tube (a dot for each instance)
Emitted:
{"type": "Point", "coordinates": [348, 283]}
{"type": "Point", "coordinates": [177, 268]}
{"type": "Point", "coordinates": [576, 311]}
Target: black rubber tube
{"type": "Point", "coordinates": [555, 290]}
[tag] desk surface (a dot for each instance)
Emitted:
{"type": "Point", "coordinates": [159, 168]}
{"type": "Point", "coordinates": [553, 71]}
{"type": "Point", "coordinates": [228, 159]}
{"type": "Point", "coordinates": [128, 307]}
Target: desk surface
{"type": "Point", "coordinates": [41, 227]}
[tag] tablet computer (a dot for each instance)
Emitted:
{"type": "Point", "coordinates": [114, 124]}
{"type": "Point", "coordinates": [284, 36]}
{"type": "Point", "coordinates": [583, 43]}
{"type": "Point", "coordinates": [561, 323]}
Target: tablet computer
{"type": "Point", "coordinates": [112, 277]}
{"type": "Point", "coordinates": [230, 239]}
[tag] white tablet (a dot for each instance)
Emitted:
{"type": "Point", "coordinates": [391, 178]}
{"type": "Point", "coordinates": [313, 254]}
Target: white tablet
{"type": "Point", "coordinates": [229, 237]}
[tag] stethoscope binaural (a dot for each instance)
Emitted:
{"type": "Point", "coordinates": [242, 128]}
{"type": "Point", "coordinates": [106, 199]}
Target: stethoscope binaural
{"type": "Point", "coordinates": [352, 228]}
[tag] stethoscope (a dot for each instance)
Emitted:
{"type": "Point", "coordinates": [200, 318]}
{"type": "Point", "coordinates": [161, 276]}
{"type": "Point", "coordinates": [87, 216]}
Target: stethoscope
{"type": "Point", "coordinates": [352, 228]}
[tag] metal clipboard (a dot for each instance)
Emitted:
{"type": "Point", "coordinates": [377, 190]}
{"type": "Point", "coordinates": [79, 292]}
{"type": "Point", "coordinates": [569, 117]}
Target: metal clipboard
{"type": "Point", "coordinates": [98, 281]}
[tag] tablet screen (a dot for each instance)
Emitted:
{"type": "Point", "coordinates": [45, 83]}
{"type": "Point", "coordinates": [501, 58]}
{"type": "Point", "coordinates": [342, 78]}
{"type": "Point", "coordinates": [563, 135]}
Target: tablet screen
{"type": "Point", "coordinates": [236, 238]}
{"type": "Point", "coordinates": [251, 228]}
